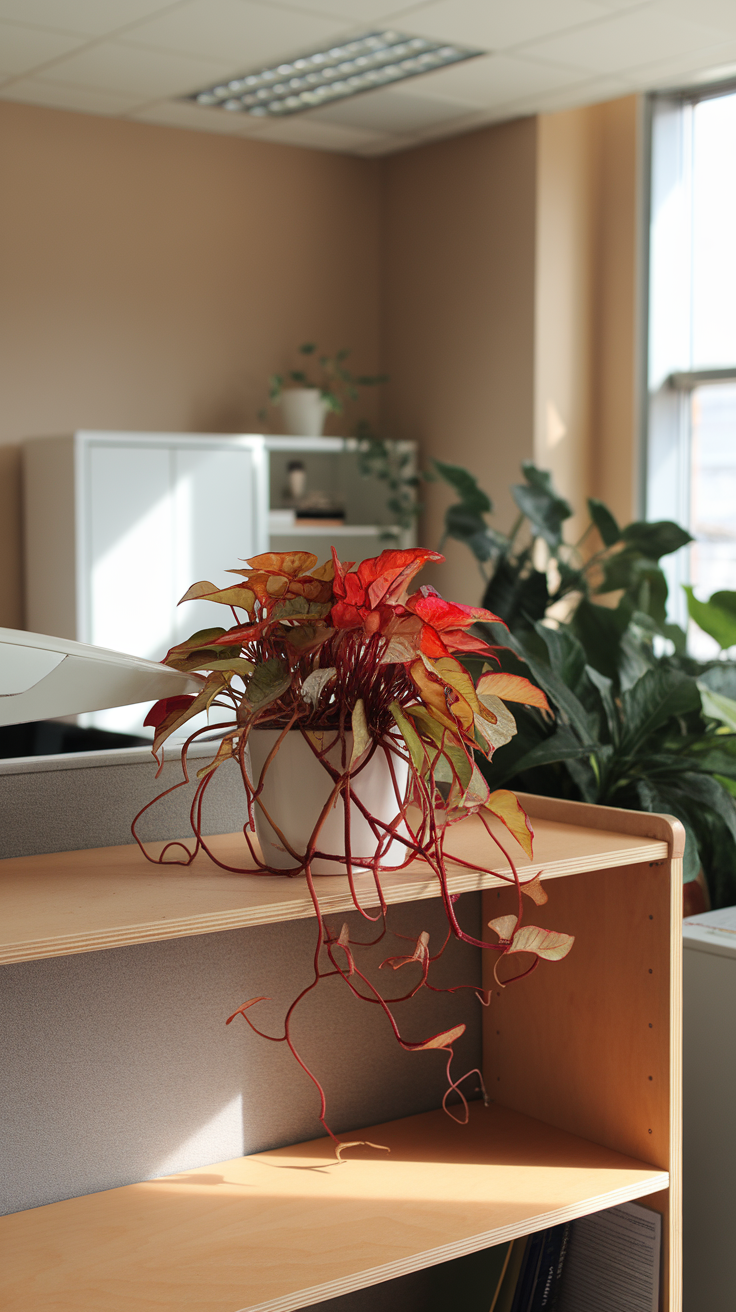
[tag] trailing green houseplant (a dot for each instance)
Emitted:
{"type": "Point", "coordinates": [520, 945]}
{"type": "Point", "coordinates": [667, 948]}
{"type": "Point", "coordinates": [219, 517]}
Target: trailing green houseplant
{"type": "Point", "coordinates": [327, 374]}
{"type": "Point", "coordinates": [359, 673]}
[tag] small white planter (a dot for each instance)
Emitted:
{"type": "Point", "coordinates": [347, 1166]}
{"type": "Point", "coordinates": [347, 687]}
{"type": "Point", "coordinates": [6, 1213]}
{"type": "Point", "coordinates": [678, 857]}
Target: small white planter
{"type": "Point", "coordinates": [304, 411]}
{"type": "Point", "coordinates": [296, 789]}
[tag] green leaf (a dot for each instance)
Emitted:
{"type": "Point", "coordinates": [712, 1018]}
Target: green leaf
{"type": "Point", "coordinates": [654, 699]}
{"type": "Point", "coordinates": [599, 630]}
{"type": "Point", "coordinates": [541, 504]}
{"type": "Point", "coordinates": [716, 617]}
{"type": "Point", "coordinates": [718, 707]}
{"type": "Point", "coordinates": [267, 683]}
{"type": "Point", "coordinates": [465, 485]}
{"type": "Point", "coordinates": [663, 800]}
{"type": "Point", "coordinates": [235, 665]}
{"type": "Point", "coordinates": [605, 691]}
{"type": "Point", "coordinates": [604, 522]}
{"type": "Point", "coordinates": [519, 599]}
{"type": "Point", "coordinates": [411, 738]}
{"type": "Point", "coordinates": [463, 523]}
{"type": "Point", "coordinates": [657, 539]}
{"type": "Point", "coordinates": [557, 748]}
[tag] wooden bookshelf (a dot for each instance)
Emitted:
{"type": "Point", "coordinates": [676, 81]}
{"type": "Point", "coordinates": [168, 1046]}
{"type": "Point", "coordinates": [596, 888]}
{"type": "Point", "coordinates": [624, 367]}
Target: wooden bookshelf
{"type": "Point", "coordinates": [582, 1063]}
{"type": "Point", "coordinates": [110, 897]}
{"type": "Point", "coordinates": [284, 1229]}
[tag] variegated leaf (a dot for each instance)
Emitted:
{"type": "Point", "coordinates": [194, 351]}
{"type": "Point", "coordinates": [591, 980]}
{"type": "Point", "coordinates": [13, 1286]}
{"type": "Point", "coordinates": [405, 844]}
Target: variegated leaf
{"type": "Point", "coordinates": [545, 943]}
{"type": "Point", "coordinates": [511, 813]}
{"type": "Point", "coordinates": [504, 926]}
{"type": "Point", "coordinates": [361, 735]}
{"type": "Point", "coordinates": [315, 683]}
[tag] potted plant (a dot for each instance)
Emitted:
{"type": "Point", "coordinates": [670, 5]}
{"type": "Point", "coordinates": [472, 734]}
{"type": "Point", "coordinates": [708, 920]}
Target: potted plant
{"type": "Point", "coordinates": [340, 684]}
{"type": "Point", "coordinates": [307, 396]}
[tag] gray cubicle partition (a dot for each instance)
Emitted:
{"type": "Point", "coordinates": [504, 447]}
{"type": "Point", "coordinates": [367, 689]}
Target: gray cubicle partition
{"type": "Point", "coordinates": [117, 1065]}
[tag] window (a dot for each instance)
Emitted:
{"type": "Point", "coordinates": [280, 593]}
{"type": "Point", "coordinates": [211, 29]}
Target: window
{"type": "Point", "coordinates": [691, 449]}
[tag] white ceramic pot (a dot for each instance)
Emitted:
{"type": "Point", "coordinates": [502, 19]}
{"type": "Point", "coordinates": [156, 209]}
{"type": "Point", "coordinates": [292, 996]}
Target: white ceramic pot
{"type": "Point", "coordinates": [296, 789]}
{"type": "Point", "coordinates": [304, 411]}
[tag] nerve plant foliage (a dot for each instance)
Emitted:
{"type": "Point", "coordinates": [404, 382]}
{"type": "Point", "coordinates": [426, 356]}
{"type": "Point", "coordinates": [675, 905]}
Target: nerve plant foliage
{"type": "Point", "coordinates": [368, 675]}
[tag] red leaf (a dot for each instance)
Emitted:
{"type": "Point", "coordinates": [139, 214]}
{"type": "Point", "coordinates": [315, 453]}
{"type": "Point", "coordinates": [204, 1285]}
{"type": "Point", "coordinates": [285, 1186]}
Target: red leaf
{"type": "Point", "coordinates": [441, 614]}
{"type": "Point", "coordinates": [160, 710]}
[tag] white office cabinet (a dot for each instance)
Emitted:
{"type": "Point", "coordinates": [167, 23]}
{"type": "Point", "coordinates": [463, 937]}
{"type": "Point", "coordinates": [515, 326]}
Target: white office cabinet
{"type": "Point", "coordinates": [118, 525]}
{"type": "Point", "coordinates": [709, 1123]}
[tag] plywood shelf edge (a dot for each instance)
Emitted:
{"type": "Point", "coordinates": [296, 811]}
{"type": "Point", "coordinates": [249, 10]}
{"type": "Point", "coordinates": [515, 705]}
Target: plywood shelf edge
{"type": "Point", "coordinates": [444, 1191]}
{"type": "Point", "coordinates": [67, 903]}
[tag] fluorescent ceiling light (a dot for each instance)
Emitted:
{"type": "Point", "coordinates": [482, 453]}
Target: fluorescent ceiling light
{"type": "Point", "coordinates": [365, 63]}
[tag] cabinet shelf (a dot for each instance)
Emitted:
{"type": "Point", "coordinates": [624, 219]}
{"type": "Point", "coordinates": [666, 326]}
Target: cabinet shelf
{"type": "Point", "coordinates": [304, 529]}
{"type": "Point", "coordinates": [281, 1230]}
{"type": "Point", "coordinates": [70, 902]}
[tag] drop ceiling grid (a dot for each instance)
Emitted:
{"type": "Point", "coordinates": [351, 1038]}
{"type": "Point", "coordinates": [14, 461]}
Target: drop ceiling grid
{"type": "Point", "coordinates": [134, 58]}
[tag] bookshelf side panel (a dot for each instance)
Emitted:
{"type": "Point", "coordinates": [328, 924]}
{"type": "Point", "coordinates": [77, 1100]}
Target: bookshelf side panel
{"type": "Point", "coordinates": [584, 1043]}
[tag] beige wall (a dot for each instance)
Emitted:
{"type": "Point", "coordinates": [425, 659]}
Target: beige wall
{"type": "Point", "coordinates": [458, 332]}
{"type": "Point", "coordinates": [154, 278]}
{"type": "Point", "coordinates": [586, 341]}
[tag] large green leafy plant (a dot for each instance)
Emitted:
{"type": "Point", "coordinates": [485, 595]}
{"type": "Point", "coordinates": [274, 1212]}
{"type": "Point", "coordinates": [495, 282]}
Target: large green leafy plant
{"type": "Point", "coordinates": [533, 571]}
{"type": "Point", "coordinates": [638, 723]}
{"type": "Point", "coordinates": [659, 744]}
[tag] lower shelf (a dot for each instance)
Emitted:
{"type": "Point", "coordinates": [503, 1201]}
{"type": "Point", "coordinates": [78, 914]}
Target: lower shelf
{"type": "Point", "coordinates": [284, 1229]}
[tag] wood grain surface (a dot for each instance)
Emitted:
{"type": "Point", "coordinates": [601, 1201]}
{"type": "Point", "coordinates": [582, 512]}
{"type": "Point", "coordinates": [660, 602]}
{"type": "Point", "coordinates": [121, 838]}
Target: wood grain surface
{"type": "Point", "coordinates": [284, 1229]}
{"type": "Point", "coordinates": [69, 902]}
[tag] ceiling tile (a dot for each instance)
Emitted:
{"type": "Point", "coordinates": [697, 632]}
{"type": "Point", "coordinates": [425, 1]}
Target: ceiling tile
{"type": "Point", "coordinates": [304, 130]}
{"type": "Point", "coordinates": [85, 17]}
{"type": "Point", "coordinates": [54, 95]}
{"type": "Point", "coordinates": [718, 14]}
{"type": "Point", "coordinates": [588, 92]}
{"type": "Point", "coordinates": [491, 79]}
{"type": "Point", "coordinates": [624, 4]}
{"type": "Point", "coordinates": [385, 111]}
{"type": "Point", "coordinates": [711, 65]}
{"type": "Point", "coordinates": [497, 24]}
{"type": "Point", "coordinates": [617, 43]}
{"type": "Point", "coordinates": [242, 33]}
{"type": "Point", "coordinates": [24, 48]}
{"type": "Point", "coordinates": [347, 11]}
{"type": "Point", "coordinates": [131, 70]}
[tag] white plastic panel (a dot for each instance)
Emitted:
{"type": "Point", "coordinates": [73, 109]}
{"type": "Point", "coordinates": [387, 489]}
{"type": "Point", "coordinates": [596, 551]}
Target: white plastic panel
{"type": "Point", "coordinates": [217, 526]}
{"type": "Point", "coordinates": [130, 548]}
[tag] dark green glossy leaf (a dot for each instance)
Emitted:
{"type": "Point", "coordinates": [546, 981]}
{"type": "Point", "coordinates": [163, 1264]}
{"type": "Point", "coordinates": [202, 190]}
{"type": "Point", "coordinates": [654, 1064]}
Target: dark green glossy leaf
{"type": "Point", "coordinates": [465, 485]}
{"type": "Point", "coordinates": [599, 630]}
{"type": "Point", "coordinates": [520, 599]}
{"type": "Point", "coordinates": [657, 539]}
{"type": "Point", "coordinates": [664, 800]}
{"type": "Point", "coordinates": [604, 522]}
{"type": "Point", "coordinates": [654, 699]}
{"type": "Point", "coordinates": [542, 506]}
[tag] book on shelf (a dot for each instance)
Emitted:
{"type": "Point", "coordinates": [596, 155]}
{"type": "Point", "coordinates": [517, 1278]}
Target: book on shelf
{"type": "Point", "coordinates": [532, 1274]}
{"type": "Point", "coordinates": [613, 1261]}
